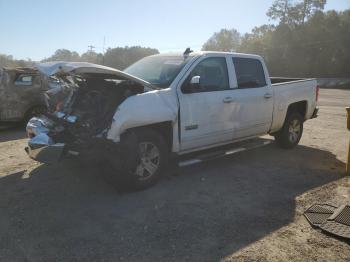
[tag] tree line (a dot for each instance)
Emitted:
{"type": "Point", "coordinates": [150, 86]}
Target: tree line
{"type": "Point", "coordinates": [119, 57]}
{"type": "Point", "coordinates": [305, 41]}
{"type": "Point", "coordinates": [301, 41]}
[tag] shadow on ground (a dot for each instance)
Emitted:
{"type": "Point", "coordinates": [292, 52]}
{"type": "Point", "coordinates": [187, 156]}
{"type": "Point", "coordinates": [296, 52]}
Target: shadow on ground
{"type": "Point", "coordinates": [67, 212]}
{"type": "Point", "coordinates": [10, 132]}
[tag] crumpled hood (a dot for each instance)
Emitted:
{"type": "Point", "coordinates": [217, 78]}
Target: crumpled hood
{"type": "Point", "coordinates": [80, 68]}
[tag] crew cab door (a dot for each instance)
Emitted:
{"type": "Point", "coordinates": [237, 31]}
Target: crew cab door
{"type": "Point", "coordinates": [253, 98]}
{"type": "Point", "coordinates": [206, 108]}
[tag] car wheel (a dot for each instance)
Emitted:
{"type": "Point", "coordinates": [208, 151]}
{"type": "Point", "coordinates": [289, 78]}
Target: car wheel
{"type": "Point", "coordinates": [291, 132]}
{"type": "Point", "coordinates": [143, 163]}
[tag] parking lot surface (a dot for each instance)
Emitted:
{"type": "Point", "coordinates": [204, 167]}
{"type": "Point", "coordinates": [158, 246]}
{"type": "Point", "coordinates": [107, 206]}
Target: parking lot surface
{"type": "Point", "coordinates": [246, 207]}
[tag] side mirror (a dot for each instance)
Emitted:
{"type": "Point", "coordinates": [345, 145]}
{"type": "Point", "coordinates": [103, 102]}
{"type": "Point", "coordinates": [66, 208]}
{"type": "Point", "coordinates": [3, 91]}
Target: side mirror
{"type": "Point", "coordinates": [192, 85]}
{"type": "Point", "coordinates": [195, 81]}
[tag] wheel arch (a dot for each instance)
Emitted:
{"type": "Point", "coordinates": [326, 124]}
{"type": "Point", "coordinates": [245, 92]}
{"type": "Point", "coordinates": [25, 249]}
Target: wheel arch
{"type": "Point", "coordinates": [298, 107]}
{"type": "Point", "coordinates": [165, 129]}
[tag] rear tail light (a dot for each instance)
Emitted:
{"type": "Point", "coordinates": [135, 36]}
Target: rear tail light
{"type": "Point", "coordinates": [317, 92]}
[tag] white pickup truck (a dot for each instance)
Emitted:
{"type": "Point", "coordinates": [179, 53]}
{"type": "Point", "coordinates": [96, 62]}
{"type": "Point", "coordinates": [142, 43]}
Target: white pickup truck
{"type": "Point", "coordinates": [165, 105]}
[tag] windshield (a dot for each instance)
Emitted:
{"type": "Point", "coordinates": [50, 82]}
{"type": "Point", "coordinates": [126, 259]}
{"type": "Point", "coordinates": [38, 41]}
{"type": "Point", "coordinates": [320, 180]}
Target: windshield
{"type": "Point", "coordinates": [157, 70]}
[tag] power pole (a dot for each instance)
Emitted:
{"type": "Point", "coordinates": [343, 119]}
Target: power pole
{"type": "Point", "coordinates": [104, 43]}
{"type": "Point", "coordinates": [91, 47]}
{"type": "Point", "coordinates": [103, 50]}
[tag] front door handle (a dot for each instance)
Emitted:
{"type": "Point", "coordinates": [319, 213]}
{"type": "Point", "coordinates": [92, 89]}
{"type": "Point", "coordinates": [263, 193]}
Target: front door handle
{"type": "Point", "coordinates": [268, 95]}
{"type": "Point", "coordinates": [228, 99]}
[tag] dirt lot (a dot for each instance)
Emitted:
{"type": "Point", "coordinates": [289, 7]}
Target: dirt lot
{"type": "Point", "coordinates": [247, 207]}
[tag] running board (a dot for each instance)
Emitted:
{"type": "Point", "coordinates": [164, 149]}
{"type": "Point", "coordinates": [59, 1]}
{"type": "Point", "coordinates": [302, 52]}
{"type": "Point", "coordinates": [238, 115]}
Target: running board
{"type": "Point", "coordinates": [235, 148]}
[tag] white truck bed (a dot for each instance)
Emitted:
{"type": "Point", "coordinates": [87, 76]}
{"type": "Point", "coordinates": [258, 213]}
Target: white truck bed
{"type": "Point", "coordinates": [286, 93]}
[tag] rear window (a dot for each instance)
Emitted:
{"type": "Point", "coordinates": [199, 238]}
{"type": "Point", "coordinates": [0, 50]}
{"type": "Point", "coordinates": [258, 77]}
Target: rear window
{"type": "Point", "coordinates": [249, 72]}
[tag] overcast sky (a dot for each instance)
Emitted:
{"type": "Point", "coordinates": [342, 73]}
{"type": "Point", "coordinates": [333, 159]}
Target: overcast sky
{"type": "Point", "coordinates": [35, 29]}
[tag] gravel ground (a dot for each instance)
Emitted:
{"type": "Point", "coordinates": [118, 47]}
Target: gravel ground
{"type": "Point", "coordinates": [247, 207]}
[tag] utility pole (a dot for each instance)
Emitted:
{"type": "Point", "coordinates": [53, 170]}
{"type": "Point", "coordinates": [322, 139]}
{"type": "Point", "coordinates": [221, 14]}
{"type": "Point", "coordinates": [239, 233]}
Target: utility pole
{"type": "Point", "coordinates": [104, 43]}
{"type": "Point", "coordinates": [103, 50]}
{"type": "Point", "coordinates": [91, 47]}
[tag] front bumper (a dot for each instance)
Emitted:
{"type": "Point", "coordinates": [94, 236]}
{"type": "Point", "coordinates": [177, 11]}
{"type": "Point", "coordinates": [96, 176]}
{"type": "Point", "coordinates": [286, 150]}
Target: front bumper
{"type": "Point", "coordinates": [41, 146]}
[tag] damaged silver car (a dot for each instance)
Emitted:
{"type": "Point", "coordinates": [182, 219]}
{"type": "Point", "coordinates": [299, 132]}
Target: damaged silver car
{"type": "Point", "coordinates": [21, 92]}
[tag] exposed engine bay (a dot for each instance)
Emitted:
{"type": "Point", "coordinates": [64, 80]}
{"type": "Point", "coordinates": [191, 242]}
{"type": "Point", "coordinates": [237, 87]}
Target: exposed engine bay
{"type": "Point", "coordinates": [82, 107]}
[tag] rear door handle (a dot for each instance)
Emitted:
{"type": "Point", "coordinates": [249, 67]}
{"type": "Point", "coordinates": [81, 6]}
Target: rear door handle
{"type": "Point", "coordinates": [268, 95]}
{"type": "Point", "coordinates": [228, 99]}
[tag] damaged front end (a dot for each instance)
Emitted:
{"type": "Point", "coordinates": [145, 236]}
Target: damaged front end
{"type": "Point", "coordinates": [41, 146]}
{"type": "Point", "coordinates": [80, 110]}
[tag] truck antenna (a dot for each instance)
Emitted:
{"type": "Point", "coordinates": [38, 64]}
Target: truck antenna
{"type": "Point", "coordinates": [187, 52]}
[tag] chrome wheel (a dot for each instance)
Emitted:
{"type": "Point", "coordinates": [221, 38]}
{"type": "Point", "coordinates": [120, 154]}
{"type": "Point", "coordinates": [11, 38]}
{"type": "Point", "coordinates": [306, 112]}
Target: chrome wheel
{"type": "Point", "coordinates": [149, 160]}
{"type": "Point", "coordinates": [294, 130]}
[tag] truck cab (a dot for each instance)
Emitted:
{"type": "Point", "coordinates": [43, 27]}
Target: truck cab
{"type": "Point", "coordinates": [232, 100]}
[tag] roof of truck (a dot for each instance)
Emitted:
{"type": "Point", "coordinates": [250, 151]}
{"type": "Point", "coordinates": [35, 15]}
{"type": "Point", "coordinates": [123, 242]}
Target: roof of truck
{"type": "Point", "coordinates": [200, 53]}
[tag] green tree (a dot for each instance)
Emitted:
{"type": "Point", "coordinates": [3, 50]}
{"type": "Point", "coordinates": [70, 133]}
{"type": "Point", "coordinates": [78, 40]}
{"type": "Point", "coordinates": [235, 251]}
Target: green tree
{"type": "Point", "coordinates": [92, 57]}
{"type": "Point", "coordinates": [119, 57]}
{"type": "Point", "coordinates": [309, 7]}
{"type": "Point", "coordinates": [63, 55]}
{"type": "Point", "coordinates": [319, 47]}
{"type": "Point", "coordinates": [225, 40]}
{"type": "Point", "coordinates": [258, 40]}
{"type": "Point", "coordinates": [9, 61]}
{"type": "Point", "coordinates": [294, 12]}
{"type": "Point", "coordinates": [122, 57]}
{"type": "Point", "coordinates": [280, 10]}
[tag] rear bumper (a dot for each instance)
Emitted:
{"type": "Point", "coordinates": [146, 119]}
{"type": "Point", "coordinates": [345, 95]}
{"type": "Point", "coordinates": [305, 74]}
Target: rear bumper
{"type": "Point", "coordinates": [41, 147]}
{"type": "Point", "coordinates": [314, 114]}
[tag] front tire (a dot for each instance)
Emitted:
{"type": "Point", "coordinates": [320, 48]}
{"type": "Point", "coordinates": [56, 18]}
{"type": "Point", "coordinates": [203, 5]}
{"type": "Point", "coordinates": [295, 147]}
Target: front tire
{"type": "Point", "coordinates": [291, 132]}
{"type": "Point", "coordinates": [145, 162]}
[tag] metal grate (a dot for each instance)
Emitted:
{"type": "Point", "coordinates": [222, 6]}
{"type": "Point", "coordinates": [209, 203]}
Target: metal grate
{"type": "Point", "coordinates": [344, 216]}
{"type": "Point", "coordinates": [333, 220]}
{"type": "Point", "coordinates": [319, 213]}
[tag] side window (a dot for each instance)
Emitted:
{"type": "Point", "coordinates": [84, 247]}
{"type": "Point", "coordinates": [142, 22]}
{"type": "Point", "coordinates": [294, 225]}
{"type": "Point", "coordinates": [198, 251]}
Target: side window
{"type": "Point", "coordinates": [24, 80]}
{"type": "Point", "coordinates": [213, 75]}
{"type": "Point", "coordinates": [249, 72]}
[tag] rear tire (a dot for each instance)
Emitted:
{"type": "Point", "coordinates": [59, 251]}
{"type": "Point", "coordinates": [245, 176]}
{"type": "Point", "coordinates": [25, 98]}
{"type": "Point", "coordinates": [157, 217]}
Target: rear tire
{"type": "Point", "coordinates": [291, 132]}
